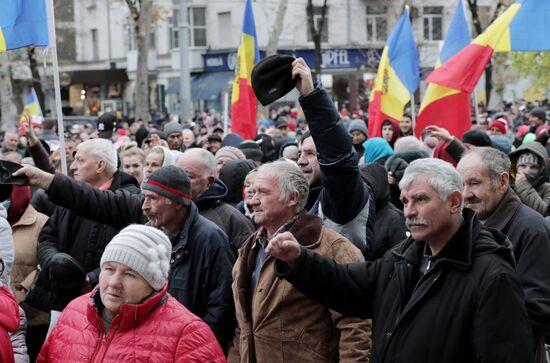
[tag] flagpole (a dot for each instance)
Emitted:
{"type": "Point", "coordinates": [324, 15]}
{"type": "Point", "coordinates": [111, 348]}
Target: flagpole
{"type": "Point", "coordinates": [413, 112]}
{"type": "Point", "coordinates": [474, 98]}
{"type": "Point", "coordinates": [59, 111]}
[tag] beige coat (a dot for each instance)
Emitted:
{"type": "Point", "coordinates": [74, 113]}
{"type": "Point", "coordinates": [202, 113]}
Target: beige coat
{"type": "Point", "coordinates": [25, 239]}
{"type": "Point", "coordinates": [283, 325]}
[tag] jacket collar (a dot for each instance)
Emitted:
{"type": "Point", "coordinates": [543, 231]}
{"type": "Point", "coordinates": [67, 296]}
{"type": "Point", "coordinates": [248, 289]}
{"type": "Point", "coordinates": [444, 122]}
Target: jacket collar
{"type": "Point", "coordinates": [504, 211]}
{"type": "Point", "coordinates": [457, 251]}
{"type": "Point", "coordinates": [307, 229]}
{"type": "Point", "coordinates": [28, 218]}
{"type": "Point", "coordinates": [129, 315]}
{"type": "Point", "coordinates": [192, 215]}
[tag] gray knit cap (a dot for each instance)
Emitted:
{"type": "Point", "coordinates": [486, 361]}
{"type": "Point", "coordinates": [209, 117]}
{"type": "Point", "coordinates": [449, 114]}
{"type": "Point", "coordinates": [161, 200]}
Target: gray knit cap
{"type": "Point", "coordinates": [145, 250]}
{"type": "Point", "coordinates": [230, 152]}
{"type": "Point", "coordinates": [171, 182]}
{"type": "Point", "coordinates": [172, 127]}
{"type": "Point", "coordinates": [358, 125]}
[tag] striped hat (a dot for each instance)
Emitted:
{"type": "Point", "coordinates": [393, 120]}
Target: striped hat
{"type": "Point", "coordinates": [171, 182]}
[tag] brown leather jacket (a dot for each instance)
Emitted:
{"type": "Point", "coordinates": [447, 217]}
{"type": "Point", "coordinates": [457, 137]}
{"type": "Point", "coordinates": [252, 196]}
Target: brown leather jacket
{"type": "Point", "coordinates": [283, 325]}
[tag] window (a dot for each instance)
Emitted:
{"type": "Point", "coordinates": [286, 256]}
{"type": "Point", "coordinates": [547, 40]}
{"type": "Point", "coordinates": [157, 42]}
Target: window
{"type": "Point", "coordinates": [95, 45]}
{"type": "Point", "coordinates": [197, 27]}
{"type": "Point", "coordinates": [152, 39]}
{"type": "Point", "coordinates": [376, 23]}
{"type": "Point", "coordinates": [224, 26]}
{"type": "Point", "coordinates": [317, 13]}
{"type": "Point", "coordinates": [174, 31]}
{"type": "Point", "coordinates": [433, 22]}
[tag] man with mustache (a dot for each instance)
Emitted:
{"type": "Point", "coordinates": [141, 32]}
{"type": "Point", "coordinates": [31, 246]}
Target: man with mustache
{"type": "Point", "coordinates": [487, 191]}
{"type": "Point", "coordinates": [448, 293]}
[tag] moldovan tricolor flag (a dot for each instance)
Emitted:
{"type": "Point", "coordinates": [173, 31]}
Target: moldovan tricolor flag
{"type": "Point", "coordinates": [529, 29]}
{"type": "Point", "coordinates": [32, 108]}
{"type": "Point", "coordinates": [397, 77]}
{"type": "Point", "coordinates": [23, 23]}
{"type": "Point", "coordinates": [463, 70]}
{"type": "Point", "coordinates": [446, 107]}
{"type": "Point", "coordinates": [243, 100]}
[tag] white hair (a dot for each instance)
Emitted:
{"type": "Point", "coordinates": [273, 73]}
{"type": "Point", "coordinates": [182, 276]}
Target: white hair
{"type": "Point", "coordinates": [291, 180]}
{"type": "Point", "coordinates": [206, 158]}
{"type": "Point", "coordinates": [102, 149]}
{"type": "Point", "coordinates": [406, 144]}
{"type": "Point", "coordinates": [441, 175]}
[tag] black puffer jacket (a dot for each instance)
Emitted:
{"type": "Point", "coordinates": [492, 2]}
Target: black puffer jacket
{"type": "Point", "coordinates": [341, 198]}
{"type": "Point", "coordinates": [235, 225]}
{"type": "Point", "coordinates": [201, 263]}
{"type": "Point", "coordinates": [468, 307]}
{"type": "Point", "coordinates": [82, 238]}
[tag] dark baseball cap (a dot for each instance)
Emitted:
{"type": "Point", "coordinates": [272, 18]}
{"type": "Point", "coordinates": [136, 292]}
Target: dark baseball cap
{"type": "Point", "coordinates": [106, 124]}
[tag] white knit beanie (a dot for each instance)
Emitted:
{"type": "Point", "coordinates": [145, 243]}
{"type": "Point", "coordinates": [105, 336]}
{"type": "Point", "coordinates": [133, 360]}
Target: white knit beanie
{"type": "Point", "coordinates": [145, 250]}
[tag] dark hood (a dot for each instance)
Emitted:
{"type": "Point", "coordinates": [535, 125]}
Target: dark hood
{"type": "Point", "coordinates": [377, 178]}
{"type": "Point", "coordinates": [267, 148]}
{"type": "Point", "coordinates": [214, 194]}
{"type": "Point", "coordinates": [232, 174]}
{"type": "Point", "coordinates": [541, 152]}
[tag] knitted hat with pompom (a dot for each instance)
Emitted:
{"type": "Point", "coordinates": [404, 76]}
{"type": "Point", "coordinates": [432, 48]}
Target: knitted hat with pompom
{"type": "Point", "coordinates": [145, 250]}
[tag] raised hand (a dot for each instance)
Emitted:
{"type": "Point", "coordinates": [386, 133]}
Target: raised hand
{"type": "Point", "coordinates": [284, 247]}
{"type": "Point", "coordinates": [301, 74]}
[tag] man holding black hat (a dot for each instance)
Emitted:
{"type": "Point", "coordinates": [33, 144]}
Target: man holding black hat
{"type": "Point", "coordinates": [329, 162]}
{"type": "Point", "coordinates": [201, 258]}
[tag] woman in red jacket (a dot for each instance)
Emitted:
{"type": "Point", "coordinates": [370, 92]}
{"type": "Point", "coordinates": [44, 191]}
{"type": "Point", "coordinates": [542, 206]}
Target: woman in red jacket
{"type": "Point", "coordinates": [9, 320]}
{"type": "Point", "coordinates": [130, 317]}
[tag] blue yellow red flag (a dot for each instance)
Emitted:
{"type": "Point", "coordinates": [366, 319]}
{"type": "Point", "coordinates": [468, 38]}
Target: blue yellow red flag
{"type": "Point", "coordinates": [243, 100]}
{"type": "Point", "coordinates": [32, 108]}
{"type": "Point", "coordinates": [397, 77]}
{"type": "Point", "coordinates": [23, 23]}
{"type": "Point", "coordinates": [529, 29]}
{"type": "Point", "coordinates": [463, 70]}
{"type": "Point", "coordinates": [446, 107]}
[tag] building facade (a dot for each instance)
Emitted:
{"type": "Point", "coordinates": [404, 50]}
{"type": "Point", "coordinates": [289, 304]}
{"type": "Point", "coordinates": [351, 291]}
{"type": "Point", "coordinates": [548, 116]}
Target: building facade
{"type": "Point", "coordinates": [98, 72]}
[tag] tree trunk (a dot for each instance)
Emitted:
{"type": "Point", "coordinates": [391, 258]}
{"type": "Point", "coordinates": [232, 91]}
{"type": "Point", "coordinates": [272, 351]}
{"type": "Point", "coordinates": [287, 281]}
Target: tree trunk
{"type": "Point", "coordinates": [273, 42]}
{"type": "Point", "coordinates": [36, 82]}
{"type": "Point", "coordinates": [316, 33]}
{"type": "Point", "coordinates": [9, 119]}
{"type": "Point", "coordinates": [142, 26]}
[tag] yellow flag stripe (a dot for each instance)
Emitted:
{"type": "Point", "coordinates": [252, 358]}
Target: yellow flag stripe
{"type": "Point", "coordinates": [2, 41]}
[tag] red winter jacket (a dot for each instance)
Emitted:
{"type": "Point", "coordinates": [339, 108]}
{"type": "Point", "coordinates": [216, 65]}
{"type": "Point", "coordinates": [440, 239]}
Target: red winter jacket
{"type": "Point", "coordinates": [9, 322]}
{"type": "Point", "coordinates": [158, 330]}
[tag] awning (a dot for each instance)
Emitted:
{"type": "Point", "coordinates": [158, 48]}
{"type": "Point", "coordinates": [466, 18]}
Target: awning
{"type": "Point", "coordinates": [204, 86]}
{"type": "Point", "coordinates": [99, 76]}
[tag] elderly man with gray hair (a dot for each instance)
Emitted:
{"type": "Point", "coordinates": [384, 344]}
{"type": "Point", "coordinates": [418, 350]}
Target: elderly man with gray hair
{"type": "Point", "coordinates": [67, 233]}
{"type": "Point", "coordinates": [448, 293]}
{"type": "Point", "coordinates": [277, 323]}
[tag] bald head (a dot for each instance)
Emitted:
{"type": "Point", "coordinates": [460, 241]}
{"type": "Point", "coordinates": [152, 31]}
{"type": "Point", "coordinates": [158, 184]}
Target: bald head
{"type": "Point", "coordinates": [10, 141]}
{"type": "Point", "coordinates": [200, 166]}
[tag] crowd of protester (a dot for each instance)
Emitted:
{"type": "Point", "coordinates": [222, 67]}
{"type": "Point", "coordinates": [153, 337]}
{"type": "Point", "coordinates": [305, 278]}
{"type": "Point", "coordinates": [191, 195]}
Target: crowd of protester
{"type": "Point", "coordinates": [182, 241]}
